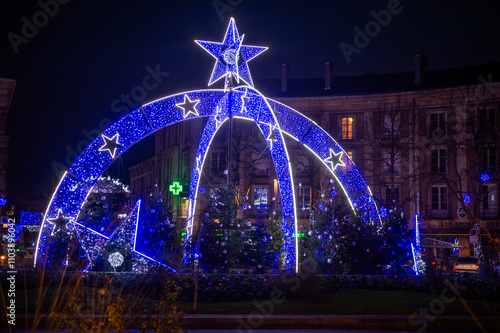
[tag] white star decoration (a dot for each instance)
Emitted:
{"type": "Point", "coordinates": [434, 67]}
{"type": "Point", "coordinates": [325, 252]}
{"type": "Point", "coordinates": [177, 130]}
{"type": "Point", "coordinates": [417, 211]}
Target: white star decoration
{"type": "Point", "coordinates": [271, 137]}
{"type": "Point", "coordinates": [231, 56]}
{"type": "Point", "coordinates": [335, 159]}
{"type": "Point", "coordinates": [111, 144]}
{"type": "Point", "coordinates": [188, 106]}
{"type": "Point", "coordinates": [94, 243]}
{"type": "Point", "coordinates": [59, 222]}
{"type": "Point", "coordinates": [244, 101]}
{"type": "Point", "coordinates": [218, 117]}
{"type": "Point", "coordinates": [198, 163]}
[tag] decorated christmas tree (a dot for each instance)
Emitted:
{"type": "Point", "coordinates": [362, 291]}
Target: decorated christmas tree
{"type": "Point", "coordinates": [221, 230]}
{"type": "Point", "coordinates": [256, 239]}
{"type": "Point", "coordinates": [105, 206]}
{"type": "Point", "coordinates": [342, 243]}
{"type": "Point", "coordinates": [156, 232]}
{"type": "Point", "coordinates": [116, 253]}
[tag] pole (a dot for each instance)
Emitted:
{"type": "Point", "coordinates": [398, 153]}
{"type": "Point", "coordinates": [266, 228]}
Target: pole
{"type": "Point", "coordinates": [197, 268]}
{"type": "Point", "coordinates": [230, 134]}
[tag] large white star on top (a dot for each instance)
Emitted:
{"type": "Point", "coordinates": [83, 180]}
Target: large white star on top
{"type": "Point", "coordinates": [231, 56]}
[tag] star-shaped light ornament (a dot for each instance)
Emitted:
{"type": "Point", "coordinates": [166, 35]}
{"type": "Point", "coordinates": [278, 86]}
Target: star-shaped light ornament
{"type": "Point", "coordinates": [60, 222]}
{"type": "Point", "coordinates": [111, 144]}
{"type": "Point", "coordinates": [244, 101]}
{"type": "Point", "coordinates": [218, 116]}
{"type": "Point", "coordinates": [335, 159]}
{"type": "Point", "coordinates": [188, 106]}
{"type": "Point", "coordinates": [231, 56]}
{"type": "Point", "coordinates": [123, 238]}
{"type": "Point", "coordinates": [199, 163]}
{"type": "Point", "coordinates": [271, 137]}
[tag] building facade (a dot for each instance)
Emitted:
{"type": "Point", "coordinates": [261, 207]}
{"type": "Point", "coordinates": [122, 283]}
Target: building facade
{"type": "Point", "coordinates": [426, 141]}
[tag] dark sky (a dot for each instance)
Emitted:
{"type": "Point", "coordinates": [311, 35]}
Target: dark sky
{"type": "Point", "coordinates": [88, 53]}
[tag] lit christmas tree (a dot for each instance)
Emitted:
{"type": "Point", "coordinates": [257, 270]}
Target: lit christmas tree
{"type": "Point", "coordinates": [221, 235]}
{"type": "Point", "coordinates": [256, 238]}
{"type": "Point", "coordinates": [104, 252]}
{"type": "Point", "coordinates": [342, 242]}
{"type": "Point", "coordinates": [105, 205]}
{"type": "Point", "coordinates": [156, 232]}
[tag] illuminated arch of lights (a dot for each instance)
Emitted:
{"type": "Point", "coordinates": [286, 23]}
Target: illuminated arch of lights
{"type": "Point", "coordinates": [274, 119]}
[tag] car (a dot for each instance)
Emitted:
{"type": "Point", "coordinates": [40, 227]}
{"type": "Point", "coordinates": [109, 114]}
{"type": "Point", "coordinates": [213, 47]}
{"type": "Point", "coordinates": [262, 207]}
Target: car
{"type": "Point", "coordinates": [468, 264]}
{"type": "Point", "coordinates": [496, 267]}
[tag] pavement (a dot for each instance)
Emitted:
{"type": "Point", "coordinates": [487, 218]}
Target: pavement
{"type": "Point", "coordinates": [256, 321]}
{"type": "Point", "coordinates": [259, 322]}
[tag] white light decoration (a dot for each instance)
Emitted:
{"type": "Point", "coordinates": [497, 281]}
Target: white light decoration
{"type": "Point", "coordinates": [274, 119]}
{"type": "Point", "coordinates": [60, 222]}
{"type": "Point", "coordinates": [115, 260]}
{"type": "Point", "coordinates": [335, 159]}
{"type": "Point", "coordinates": [111, 144]}
{"type": "Point", "coordinates": [227, 55]}
{"type": "Point", "coordinates": [271, 138]}
{"type": "Point", "coordinates": [188, 106]}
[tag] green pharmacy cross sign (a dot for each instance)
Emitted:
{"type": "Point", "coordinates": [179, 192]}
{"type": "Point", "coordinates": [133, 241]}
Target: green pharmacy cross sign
{"type": "Point", "coordinates": [175, 188]}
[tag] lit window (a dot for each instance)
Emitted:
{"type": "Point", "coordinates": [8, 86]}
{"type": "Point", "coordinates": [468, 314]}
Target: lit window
{"type": "Point", "coordinates": [347, 123]}
{"type": "Point", "coordinates": [348, 165]}
{"type": "Point", "coordinates": [260, 197]}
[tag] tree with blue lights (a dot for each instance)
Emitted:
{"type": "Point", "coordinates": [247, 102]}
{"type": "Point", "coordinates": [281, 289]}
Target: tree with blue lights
{"type": "Point", "coordinates": [221, 230]}
{"type": "Point", "coordinates": [107, 199]}
{"type": "Point", "coordinates": [256, 239]}
{"type": "Point", "coordinates": [342, 242]}
{"type": "Point", "coordinates": [156, 233]}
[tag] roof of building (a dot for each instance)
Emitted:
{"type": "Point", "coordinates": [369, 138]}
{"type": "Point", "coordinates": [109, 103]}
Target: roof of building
{"type": "Point", "coordinates": [370, 83]}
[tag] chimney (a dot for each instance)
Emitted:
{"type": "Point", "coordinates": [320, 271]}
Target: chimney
{"type": "Point", "coordinates": [328, 73]}
{"type": "Point", "coordinates": [285, 69]}
{"type": "Point", "coordinates": [420, 67]}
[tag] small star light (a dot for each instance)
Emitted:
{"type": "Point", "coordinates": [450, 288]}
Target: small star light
{"type": "Point", "coordinates": [188, 106]}
{"type": "Point", "coordinates": [271, 137]}
{"type": "Point", "coordinates": [467, 198]}
{"type": "Point", "coordinates": [335, 159]}
{"type": "Point", "coordinates": [231, 56]}
{"type": "Point", "coordinates": [485, 177]}
{"type": "Point", "coordinates": [115, 259]}
{"type": "Point", "coordinates": [60, 221]}
{"type": "Point", "coordinates": [111, 144]}
{"type": "Point", "coordinates": [198, 163]}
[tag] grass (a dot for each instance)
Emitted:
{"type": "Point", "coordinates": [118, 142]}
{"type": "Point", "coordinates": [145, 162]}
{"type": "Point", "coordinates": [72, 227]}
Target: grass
{"type": "Point", "coordinates": [355, 302]}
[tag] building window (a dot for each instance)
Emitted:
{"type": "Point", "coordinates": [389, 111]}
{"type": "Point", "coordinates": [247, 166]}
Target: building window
{"type": "Point", "coordinates": [219, 163]}
{"type": "Point", "coordinates": [438, 160]}
{"type": "Point", "coordinates": [391, 164]}
{"type": "Point", "coordinates": [391, 196]}
{"type": "Point", "coordinates": [489, 159]}
{"type": "Point", "coordinates": [439, 197]}
{"type": "Point", "coordinates": [348, 166]}
{"type": "Point", "coordinates": [438, 124]}
{"type": "Point", "coordinates": [487, 120]}
{"type": "Point", "coordinates": [347, 128]}
{"type": "Point", "coordinates": [304, 197]}
{"type": "Point", "coordinates": [260, 197]}
{"type": "Point", "coordinates": [485, 197]}
{"type": "Point", "coordinates": [391, 126]}
{"type": "Point", "coordinates": [489, 206]}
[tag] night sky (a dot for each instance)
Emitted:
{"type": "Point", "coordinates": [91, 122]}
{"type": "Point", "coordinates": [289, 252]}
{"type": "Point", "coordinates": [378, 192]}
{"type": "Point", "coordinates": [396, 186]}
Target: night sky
{"type": "Point", "coordinates": [71, 72]}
